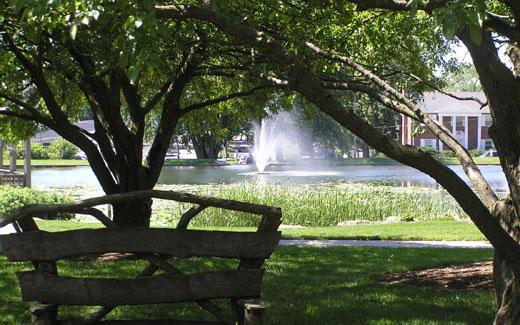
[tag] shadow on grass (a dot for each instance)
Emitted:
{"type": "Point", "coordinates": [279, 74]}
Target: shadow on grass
{"type": "Point", "coordinates": [339, 286]}
{"type": "Point", "coordinates": [305, 286]}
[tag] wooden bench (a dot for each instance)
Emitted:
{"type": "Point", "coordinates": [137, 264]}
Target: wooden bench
{"type": "Point", "coordinates": [242, 286]}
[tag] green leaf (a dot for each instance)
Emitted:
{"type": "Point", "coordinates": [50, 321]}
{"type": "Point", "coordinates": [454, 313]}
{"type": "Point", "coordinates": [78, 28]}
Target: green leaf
{"type": "Point", "coordinates": [132, 73]}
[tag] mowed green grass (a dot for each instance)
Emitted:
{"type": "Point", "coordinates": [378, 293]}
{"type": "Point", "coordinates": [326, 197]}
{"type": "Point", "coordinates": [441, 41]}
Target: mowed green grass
{"type": "Point", "coordinates": [425, 230]}
{"type": "Point", "coordinates": [80, 162]}
{"type": "Point", "coordinates": [388, 161]}
{"type": "Point", "coordinates": [304, 286]}
{"type": "Point", "coordinates": [55, 162]}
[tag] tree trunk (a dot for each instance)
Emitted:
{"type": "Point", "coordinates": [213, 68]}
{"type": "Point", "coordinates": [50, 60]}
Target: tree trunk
{"type": "Point", "coordinates": [507, 292]}
{"type": "Point", "coordinates": [211, 147]}
{"type": "Point", "coordinates": [199, 147]}
{"type": "Point", "coordinates": [366, 151]}
{"type": "Point", "coordinates": [2, 147]}
{"type": "Point", "coordinates": [507, 284]}
{"type": "Point", "coordinates": [205, 147]}
{"type": "Point", "coordinates": [133, 214]}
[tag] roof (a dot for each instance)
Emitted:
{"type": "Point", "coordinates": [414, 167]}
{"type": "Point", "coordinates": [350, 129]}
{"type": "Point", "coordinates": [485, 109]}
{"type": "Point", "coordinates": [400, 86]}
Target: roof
{"type": "Point", "coordinates": [51, 135]}
{"type": "Point", "coordinates": [435, 102]}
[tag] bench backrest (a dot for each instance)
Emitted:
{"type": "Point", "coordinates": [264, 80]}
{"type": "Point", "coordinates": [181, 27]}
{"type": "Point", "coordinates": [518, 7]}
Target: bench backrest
{"type": "Point", "coordinates": [154, 245]}
{"type": "Point", "coordinates": [41, 246]}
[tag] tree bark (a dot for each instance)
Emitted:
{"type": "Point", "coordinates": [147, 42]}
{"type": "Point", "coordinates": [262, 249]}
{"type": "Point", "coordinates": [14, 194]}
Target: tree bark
{"type": "Point", "coordinates": [507, 292]}
{"type": "Point", "coordinates": [199, 147]}
{"type": "Point", "coordinates": [2, 147]}
{"type": "Point", "coordinates": [133, 213]}
{"type": "Point", "coordinates": [205, 146]}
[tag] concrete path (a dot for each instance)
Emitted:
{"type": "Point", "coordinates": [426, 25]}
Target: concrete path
{"type": "Point", "coordinates": [359, 243]}
{"type": "Point", "coordinates": [387, 243]}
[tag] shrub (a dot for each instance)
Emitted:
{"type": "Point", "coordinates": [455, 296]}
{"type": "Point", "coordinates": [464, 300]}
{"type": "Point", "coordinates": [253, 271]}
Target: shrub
{"type": "Point", "coordinates": [431, 151]}
{"type": "Point", "coordinates": [447, 153]}
{"type": "Point", "coordinates": [62, 149]}
{"type": "Point", "coordinates": [12, 198]}
{"type": "Point", "coordinates": [38, 151]}
{"type": "Point", "coordinates": [476, 152]}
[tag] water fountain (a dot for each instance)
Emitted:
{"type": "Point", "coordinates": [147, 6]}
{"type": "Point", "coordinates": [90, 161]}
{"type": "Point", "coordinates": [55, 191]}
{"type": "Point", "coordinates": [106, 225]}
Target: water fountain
{"type": "Point", "coordinates": [265, 144]}
{"type": "Point", "coordinates": [276, 138]}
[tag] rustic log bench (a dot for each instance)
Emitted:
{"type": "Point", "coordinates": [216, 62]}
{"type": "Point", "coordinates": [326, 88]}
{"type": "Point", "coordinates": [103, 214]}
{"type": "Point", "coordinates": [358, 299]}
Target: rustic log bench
{"type": "Point", "coordinates": [158, 246]}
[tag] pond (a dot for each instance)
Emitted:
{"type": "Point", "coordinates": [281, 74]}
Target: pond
{"type": "Point", "coordinates": [309, 174]}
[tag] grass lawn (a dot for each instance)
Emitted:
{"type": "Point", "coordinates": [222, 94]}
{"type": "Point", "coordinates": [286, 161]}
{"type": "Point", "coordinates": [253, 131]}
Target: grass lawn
{"type": "Point", "coordinates": [55, 162]}
{"type": "Point", "coordinates": [79, 162]}
{"type": "Point", "coordinates": [364, 161]}
{"type": "Point", "coordinates": [478, 160]}
{"type": "Point", "coordinates": [427, 230]}
{"type": "Point", "coordinates": [307, 286]}
{"type": "Point", "coordinates": [192, 162]}
{"type": "Point", "coordinates": [387, 161]}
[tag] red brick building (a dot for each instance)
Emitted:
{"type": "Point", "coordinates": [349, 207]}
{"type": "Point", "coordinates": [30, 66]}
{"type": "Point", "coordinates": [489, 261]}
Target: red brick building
{"type": "Point", "coordinates": [465, 118]}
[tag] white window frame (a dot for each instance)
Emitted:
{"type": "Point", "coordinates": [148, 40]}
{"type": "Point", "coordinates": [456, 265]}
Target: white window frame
{"type": "Point", "coordinates": [433, 142]}
{"type": "Point", "coordinates": [483, 144]}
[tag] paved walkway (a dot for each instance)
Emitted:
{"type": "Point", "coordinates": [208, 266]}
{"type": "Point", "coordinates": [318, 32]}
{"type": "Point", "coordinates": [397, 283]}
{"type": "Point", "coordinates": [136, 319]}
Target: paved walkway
{"type": "Point", "coordinates": [387, 243]}
{"type": "Point", "coordinates": [360, 243]}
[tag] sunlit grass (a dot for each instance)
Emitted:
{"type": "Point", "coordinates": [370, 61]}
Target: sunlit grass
{"type": "Point", "coordinates": [305, 286]}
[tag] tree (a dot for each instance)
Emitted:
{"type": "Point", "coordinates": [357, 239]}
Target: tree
{"type": "Point", "coordinates": [59, 57]}
{"type": "Point", "coordinates": [209, 131]}
{"type": "Point", "coordinates": [477, 24]}
{"type": "Point", "coordinates": [124, 59]}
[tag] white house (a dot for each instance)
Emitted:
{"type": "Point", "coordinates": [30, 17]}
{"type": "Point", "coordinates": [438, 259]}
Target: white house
{"type": "Point", "coordinates": [467, 120]}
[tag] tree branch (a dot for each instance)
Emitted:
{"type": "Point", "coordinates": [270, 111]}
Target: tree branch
{"type": "Point", "coordinates": [462, 98]}
{"type": "Point", "coordinates": [221, 99]}
{"type": "Point", "coordinates": [502, 27]}
{"type": "Point", "coordinates": [171, 113]}
{"type": "Point", "coordinates": [150, 104]}
{"type": "Point", "coordinates": [30, 111]}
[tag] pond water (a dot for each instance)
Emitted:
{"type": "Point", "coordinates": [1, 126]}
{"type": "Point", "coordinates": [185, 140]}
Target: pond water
{"type": "Point", "coordinates": [309, 174]}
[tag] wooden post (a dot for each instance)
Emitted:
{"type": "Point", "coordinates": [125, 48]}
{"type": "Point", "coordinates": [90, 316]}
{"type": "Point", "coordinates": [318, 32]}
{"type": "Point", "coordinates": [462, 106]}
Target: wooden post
{"type": "Point", "coordinates": [12, 159]}
{"type": "Point", "coordinates": [2, 147]}
{"type": "Point", "coordinates": [27, 162]}
{"type": "Point", "coordinates": [253, 314]}
{"type": "Point", "coordinates": [43, 315]}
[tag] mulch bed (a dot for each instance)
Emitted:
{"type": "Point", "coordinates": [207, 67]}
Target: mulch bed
{"type": "Point", "coordinates": [466, 277]}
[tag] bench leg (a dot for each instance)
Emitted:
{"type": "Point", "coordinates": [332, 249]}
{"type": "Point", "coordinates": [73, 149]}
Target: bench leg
{"type": "Point", "coordinates": [253, 314]}
{"type": "Point", "coordinates": [44, 315]}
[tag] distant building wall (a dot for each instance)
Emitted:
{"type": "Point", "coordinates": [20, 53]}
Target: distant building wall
{"type": "Point", "coordinates": [466, 120]}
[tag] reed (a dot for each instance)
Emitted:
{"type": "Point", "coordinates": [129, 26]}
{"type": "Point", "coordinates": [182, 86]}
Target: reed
{"type": "Point", "coordinates": [316, 205]}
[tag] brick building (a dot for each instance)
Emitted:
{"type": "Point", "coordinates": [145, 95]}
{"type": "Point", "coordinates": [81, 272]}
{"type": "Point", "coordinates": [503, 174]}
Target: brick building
{"type": "Point", "coordinates": [465, 118]}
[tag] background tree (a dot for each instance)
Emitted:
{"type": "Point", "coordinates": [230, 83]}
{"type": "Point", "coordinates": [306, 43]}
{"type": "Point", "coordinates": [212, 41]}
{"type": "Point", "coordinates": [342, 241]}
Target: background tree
{"type": "Point", "coordinates": [210, 131]}
{"type": "Point", "coordinates": [463, 79]}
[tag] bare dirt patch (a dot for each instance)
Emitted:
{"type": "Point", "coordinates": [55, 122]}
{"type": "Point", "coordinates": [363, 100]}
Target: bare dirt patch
{"type": "Point", "coordinates": [466, 277]}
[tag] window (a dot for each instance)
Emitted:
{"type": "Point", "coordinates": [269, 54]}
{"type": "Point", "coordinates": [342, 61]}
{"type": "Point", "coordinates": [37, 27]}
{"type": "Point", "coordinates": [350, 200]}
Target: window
{"type": "Point", "coordinates": [487, 144]}
{"type": "Point", "coordinates": [431, 143]}
{"type": "Point", "coordinates": [460, 122]}
{"type": "Point", "coordinates": [487, 120]}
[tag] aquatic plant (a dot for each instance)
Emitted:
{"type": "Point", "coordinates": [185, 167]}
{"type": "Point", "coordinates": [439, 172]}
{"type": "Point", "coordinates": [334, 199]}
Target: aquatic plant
{"type": "Point", "coordinates": [317, 205]}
